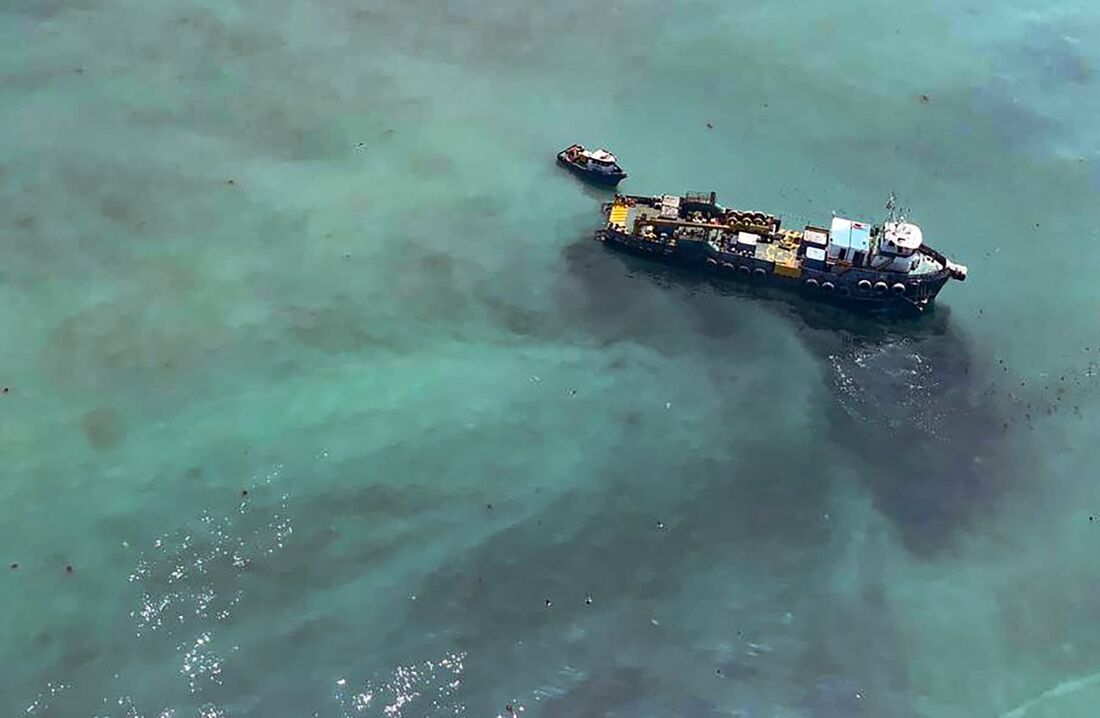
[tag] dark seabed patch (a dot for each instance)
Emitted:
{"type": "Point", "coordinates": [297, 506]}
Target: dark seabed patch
{"type": "Point", "coordinates": [103, 427]}
{"type": "Point", "coordinates": [835, 697]}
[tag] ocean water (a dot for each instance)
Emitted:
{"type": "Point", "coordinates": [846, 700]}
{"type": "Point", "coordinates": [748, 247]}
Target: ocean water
{"type": "Point", "coordinates": [320, 400]}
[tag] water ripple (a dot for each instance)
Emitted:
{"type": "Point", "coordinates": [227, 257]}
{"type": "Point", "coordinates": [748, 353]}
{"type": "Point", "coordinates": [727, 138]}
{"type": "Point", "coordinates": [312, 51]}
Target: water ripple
{"type": "Point", "coordinates": [425, 688]}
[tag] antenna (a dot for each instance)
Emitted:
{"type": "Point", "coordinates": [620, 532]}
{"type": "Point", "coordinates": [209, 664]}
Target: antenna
{"type": "Point", "coordinates": [895, 212]}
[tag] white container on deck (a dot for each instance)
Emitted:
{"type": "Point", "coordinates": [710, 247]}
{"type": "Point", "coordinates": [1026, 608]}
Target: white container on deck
{"type": "Point", "coordinates": [747, 240]}
{"type": "Point", "coordinates": [815, 258]}
{"type": "Point", "coordinates": [815, 237]}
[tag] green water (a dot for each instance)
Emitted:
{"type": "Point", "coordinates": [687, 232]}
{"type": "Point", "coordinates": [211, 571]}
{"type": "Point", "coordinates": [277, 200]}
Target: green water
{"type": "Point", "coordinates": [321, 388]}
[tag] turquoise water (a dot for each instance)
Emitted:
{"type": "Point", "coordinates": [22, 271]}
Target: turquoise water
{"type": "Point", "coordinates": [321, 389]}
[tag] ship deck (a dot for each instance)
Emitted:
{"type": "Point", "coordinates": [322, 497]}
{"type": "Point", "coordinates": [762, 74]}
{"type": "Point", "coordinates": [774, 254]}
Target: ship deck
{"type": "Point", "coordinates": [629, 215]}
{"type": "Point", "coordinates": [782, 251]}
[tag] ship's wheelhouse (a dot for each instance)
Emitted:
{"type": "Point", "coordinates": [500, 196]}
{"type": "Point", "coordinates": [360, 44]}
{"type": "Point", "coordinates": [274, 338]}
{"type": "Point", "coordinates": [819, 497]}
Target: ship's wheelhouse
{"type": "Point", "coordinates": [901, 239]}
{"type": "Point", "coordinates": [899, 245]}
{"type": "Point", "coordinates": [601, 161]}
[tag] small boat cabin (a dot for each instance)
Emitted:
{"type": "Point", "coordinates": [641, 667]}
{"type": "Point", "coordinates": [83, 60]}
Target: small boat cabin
{"type": "Point", "coordinates": [598, 165]}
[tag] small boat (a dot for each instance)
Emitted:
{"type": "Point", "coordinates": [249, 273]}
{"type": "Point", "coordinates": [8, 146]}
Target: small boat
{"type": "Point", "coordinates": [599, 166]}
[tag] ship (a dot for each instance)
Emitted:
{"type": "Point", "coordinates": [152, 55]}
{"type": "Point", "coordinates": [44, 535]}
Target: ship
{"type": "Point", "coordinates": [596, 166]}
{"type": "Point", "coordinates": [852, 262]}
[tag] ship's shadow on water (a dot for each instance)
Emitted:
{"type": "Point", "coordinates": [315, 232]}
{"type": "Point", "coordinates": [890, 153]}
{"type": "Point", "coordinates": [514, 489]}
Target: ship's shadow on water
{"type": "Point", "coordinates": [911, 404]}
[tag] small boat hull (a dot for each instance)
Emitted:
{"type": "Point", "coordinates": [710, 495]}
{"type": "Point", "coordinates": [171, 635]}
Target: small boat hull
{"type": "Point", "coordinates": [604, 179]}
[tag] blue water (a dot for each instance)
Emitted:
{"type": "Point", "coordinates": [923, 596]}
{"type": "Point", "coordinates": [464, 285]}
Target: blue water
{"type": "Point", "coordinates": [320, 400]}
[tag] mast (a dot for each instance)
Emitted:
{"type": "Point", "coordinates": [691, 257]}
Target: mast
{"type": "Point", "coordinates": [895, 212]}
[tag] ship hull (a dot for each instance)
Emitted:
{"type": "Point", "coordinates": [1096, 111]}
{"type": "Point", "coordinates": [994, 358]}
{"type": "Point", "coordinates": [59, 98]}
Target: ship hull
{"type": "Point", "coordinates": [603, 179]}
{"type": "Point", "coordinates": [862, 289]}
